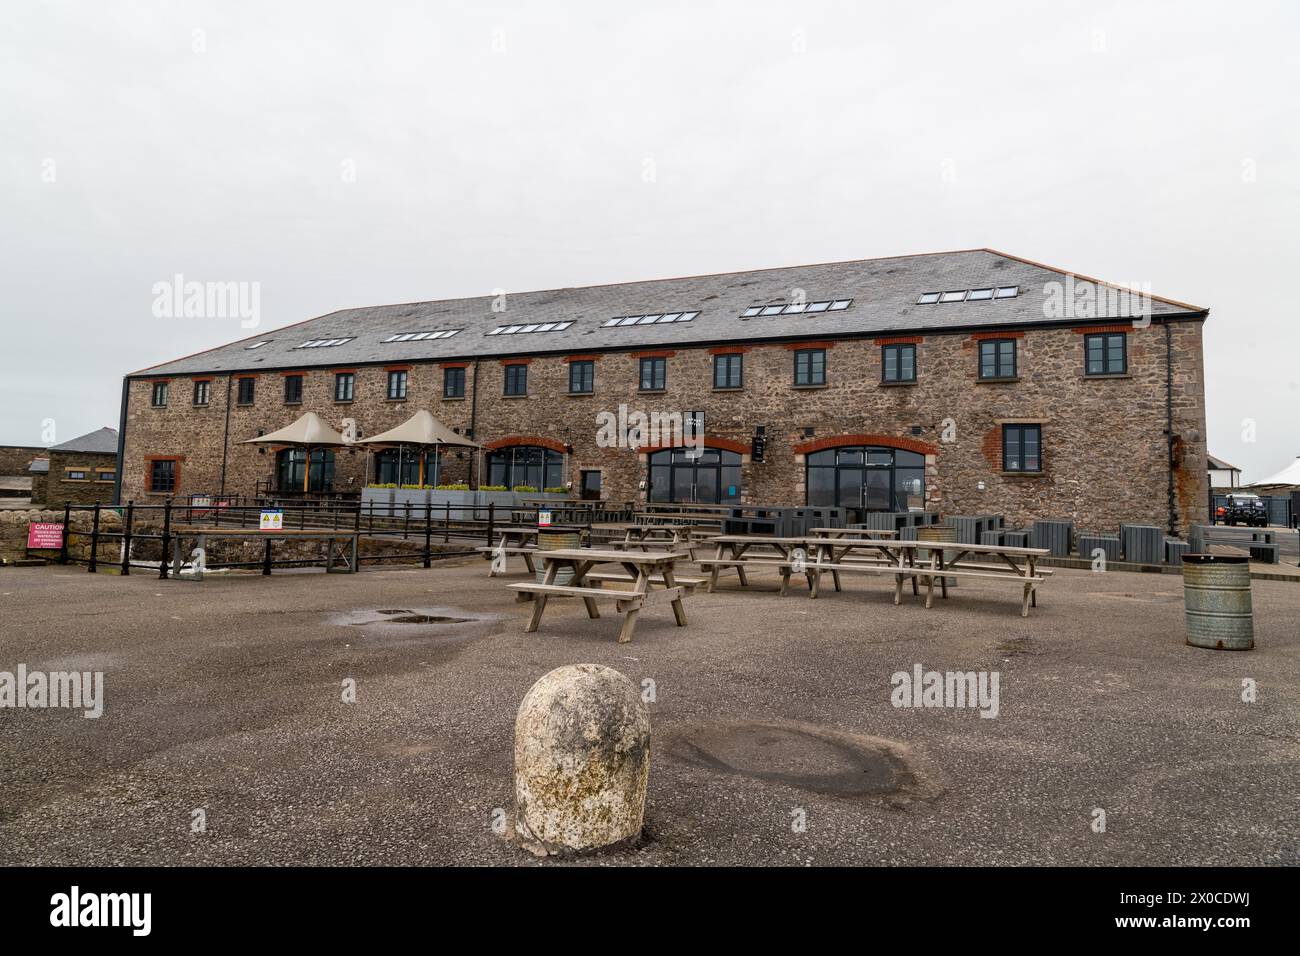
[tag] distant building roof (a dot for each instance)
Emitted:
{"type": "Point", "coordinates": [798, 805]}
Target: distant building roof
{"type": "Point", "coordinates": [1218, 464]}
{"type": "Point", "coordinates": [39, 465]}
{"type": "Point", "coordinates": [103, 441]}
{"type": "Point", "coordinates": [969, 289]}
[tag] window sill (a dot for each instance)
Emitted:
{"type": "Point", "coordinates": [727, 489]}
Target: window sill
{"type": "Point", "coordinates": [200, 405]}
{"type": "Point", "coordinates": [808, 387]}
{"type": "Point", "coordinates": [453, 398]}
{"type": "Point", "coordinates": [652, 391]}
{"type": "Point", "coordinates": [729, 388]}
{"type": "Point", "coordinates": [243, 404]}
{"type": "Point", "coordinates": [997, 381]}
{"type": "Point", "coordinates": [1106, 375]}
{"type": "Point", "coordinates": [1023, 474]}
{"type": "Point", "coordinates": [885, 384]}
{"type": "Point", "coordinates": [293, 403]}
{"type": "Point", "coordinates": [580, 394]}
{"type": "Point", "coordinates": [395, 401]}
{"type": "Point", "coordinates": [514, 396]}
{"type": "Point", "coordinates": [344, 401]}
{"type": "Point", "coordinates": [157, 406]}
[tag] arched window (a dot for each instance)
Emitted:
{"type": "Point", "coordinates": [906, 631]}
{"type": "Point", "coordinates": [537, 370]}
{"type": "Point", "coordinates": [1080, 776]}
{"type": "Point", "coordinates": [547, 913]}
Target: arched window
{"type": "Point", "coordinates": [291, 470]}
{"type": "Point", "coordinates": [413, 463]}
{"type": "Point", "coordinates": [529, 465]}
{"type": "Point", "coordinates": [867, 477]}
{"type": "Point", "coordinates": [712, 476]}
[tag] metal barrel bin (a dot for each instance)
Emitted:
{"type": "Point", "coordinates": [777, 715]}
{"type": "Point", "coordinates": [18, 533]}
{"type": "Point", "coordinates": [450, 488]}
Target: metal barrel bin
{"type": "Point", "coordinates": [556, 538]}
{"type": "Point", "coordinates": [1216, 595]}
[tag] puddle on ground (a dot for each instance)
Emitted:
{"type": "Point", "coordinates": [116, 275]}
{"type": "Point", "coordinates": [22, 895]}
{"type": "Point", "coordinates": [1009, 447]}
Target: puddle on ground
{"type": "Point", "coordinates": [802, 755]}
{"type": "Point", "coordinates": [414, 619]}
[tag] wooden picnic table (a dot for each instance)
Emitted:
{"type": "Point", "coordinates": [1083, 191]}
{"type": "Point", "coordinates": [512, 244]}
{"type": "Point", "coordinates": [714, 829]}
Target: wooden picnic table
{"type": "Point", "coordinates": [677, 517]}
{"type": "Point", "coordinates": [732, 551]}
{"type": "Point", "coordinates": [519, 540]}
{"type": "Point", "coordinates": [949, 559]}
{"type": "Point", "coordinates": [644, 570]}
{"type": "Point", "coordinates": [337, 559]}
{"type": "Point", "coordinates": [853, 533]}
{"type": "Point", "coordinates": [675, 536]}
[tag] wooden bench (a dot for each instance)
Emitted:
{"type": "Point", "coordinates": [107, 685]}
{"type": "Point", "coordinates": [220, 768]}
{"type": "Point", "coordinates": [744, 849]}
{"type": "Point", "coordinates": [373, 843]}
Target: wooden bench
{"type": "Point", "coordinates": [689, 583]}
{"type": "Point", "coordinates": [628, 603]}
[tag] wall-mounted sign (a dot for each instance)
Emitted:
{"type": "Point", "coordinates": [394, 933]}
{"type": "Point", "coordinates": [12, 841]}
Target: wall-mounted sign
{"type": "Point", "coordinates": [45, 534]}
{"type": "Point", "coordinates": [272, 519]}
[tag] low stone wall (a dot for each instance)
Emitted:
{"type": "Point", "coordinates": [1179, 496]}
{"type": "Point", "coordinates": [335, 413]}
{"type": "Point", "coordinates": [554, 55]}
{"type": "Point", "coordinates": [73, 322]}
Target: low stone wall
{"type": "Point", "coordinates": [13, 534]}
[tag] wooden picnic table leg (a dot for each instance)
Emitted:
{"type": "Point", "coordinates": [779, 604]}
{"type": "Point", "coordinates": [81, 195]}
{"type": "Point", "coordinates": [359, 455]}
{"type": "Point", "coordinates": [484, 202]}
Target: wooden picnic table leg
{"type": "Point", "coordinates": [1024, 604]}
{"type": "Point", "coordinates": [929, 589]}
{"type": "Point", "coordinates": [1031, 563]}
{"type": "Point", "coordinates": [580, 581]}
{"type": "Point", "coordinates": [539, 600]}
{"type": "Point", "coordinates": [670, 580]}
{"type": "Point", "coordinates": [528, 563]}
{"type": "Point", "coordinates": [639, 587]}
{"type": "Point", "coordinates": [911, 563]}
{"type": "Point", "coordinates": [713, 572]}
{"type": "Point", "coordinates": [738, 552]}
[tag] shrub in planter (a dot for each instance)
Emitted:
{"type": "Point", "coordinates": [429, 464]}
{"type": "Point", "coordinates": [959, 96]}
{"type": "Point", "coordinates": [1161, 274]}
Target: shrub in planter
{"type": "Point", "coordinates": [493, 488]}
{"type": "Point", "coordinates": [387, 485]}
{"type": "Point", "coordinates": [454, 487]}
{"type": "Point", "coordinates": [557, 490]}
{"type": "Point", "coordinates": [525, 489]}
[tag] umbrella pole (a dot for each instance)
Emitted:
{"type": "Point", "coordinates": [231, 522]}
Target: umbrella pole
{"type": "Point", "coordinates": [306, 471]}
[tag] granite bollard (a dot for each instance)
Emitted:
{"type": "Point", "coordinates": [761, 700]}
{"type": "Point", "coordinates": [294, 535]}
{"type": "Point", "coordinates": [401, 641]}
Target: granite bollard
{"type": "Point", "coordinates": [582, 761]}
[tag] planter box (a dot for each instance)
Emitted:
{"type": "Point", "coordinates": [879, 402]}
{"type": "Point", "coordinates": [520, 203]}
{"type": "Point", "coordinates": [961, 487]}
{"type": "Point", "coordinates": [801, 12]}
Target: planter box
{"type": "Point", "coordinates": [391, 502]}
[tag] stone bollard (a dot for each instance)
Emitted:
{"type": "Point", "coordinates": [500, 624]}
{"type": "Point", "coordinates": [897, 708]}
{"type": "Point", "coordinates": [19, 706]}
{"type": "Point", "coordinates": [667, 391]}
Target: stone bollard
{"type": "Point", "coordinates": [582, 761]}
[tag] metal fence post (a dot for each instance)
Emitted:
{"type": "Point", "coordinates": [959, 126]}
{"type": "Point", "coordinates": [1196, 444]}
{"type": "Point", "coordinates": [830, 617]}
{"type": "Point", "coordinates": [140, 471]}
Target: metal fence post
{"type": "Point", "coordinates": [94, 541]}
{"type": "Point", "coordinates": [428, 531]}
{"type": "Point", "coordinates": [446, 522]}
{"type": "Point", "coordinates": [67, 527]}
{"type": "Point", "coordinates": [492, 510]}
{"type": "Point", "coordinates": [166, 540]}
{"type": "Point", "coordinates": [266, 559]}
{"type": "Point", "coordinates": [126, 539]}
{"type": "Point", "coordinates": [406, 525]}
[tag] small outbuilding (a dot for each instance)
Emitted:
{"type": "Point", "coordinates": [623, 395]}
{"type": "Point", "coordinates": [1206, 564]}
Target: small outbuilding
{"type": "Point", "coordinates": [81, 471]}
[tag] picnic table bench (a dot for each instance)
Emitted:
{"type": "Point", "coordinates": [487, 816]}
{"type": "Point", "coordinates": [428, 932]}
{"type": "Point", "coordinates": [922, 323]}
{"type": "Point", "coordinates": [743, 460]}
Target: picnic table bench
{"type": "Point", "coordinates": [643, 571]}
{"type": "Point", "coordinates": [514, 540]}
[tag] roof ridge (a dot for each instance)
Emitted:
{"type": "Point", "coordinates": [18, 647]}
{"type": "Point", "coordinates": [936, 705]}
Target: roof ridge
{"type": "Point", "coordinates": [1087, 278]}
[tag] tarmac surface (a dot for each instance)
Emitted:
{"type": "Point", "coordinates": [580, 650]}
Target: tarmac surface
{"type": "Point", "coordinates": [774, 739]}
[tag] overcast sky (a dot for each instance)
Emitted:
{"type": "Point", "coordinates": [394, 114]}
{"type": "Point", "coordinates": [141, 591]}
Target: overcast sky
{"type": "Point", "coordinates": [347, 154]}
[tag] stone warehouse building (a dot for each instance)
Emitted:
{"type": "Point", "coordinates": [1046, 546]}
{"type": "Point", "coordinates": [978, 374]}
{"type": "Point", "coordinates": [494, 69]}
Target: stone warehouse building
{"type": "Point", "coordinates": [81, 471]}
{"type": "Point", "coordinates": [963, 382]}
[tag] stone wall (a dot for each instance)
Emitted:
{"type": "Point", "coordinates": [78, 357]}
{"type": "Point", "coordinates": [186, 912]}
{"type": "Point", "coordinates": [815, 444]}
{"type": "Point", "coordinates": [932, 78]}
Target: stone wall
{"type": "Point", "coordinates": [13, 534]}
{"type": "Point", "coordinates": [1105, 449]}
{"type": "Point", "coordinates": [14, 459]}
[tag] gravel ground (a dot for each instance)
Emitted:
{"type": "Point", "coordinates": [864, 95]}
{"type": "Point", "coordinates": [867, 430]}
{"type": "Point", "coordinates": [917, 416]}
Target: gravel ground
{"type": "Point", "coordinates": [774, 739]}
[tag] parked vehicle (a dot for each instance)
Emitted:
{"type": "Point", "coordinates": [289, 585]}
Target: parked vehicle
{"type": "Point", "coordinates": [1244, 509]}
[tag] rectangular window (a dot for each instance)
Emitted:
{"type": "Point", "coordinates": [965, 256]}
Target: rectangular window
{"type": "Point", "coordinates": [453, 383]}
{"type": "Point", "coordinates": [998, 358]}
{"type": "Point", "coordinates": [74, 474]}
{"type": "Point", "coordinates": [810, 367]}
{"type": "Point", "coordinates": [245, 391]}
{"type": "Point", "coordinates": [1022, 447]}
{"type": "Point", "coordinates": [728, 371]}
{"type": "Point", "coordinates": [1106, 353]}
{"type": "Point", "coordinates": [397, 379]}
{"type": "Point", "coordinates": [201, 392]}
{"type": "Point", "coordinates": [162, 475]}
{"type": "Point", "coordinates": [105, 474]}
{"type": "Point", "coordinates": [582, 377]}
{"type": "Point", "coordinates": [293, 389]}
{"type": "Point", "coordinates": [654, 374]}
{"type": "Point", "coordinates": [345, 384]}
{"type": "Point", "coordinates": [516, 379]}
{"type": "Point", "coordinates": [159, 394]}
{"type": "Point", "coordinates": [898, 363]}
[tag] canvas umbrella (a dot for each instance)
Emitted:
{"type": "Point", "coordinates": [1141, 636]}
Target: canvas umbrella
{"type": "Point", "coordinates": [308, 432]}
{"type": "Point", "coordinates": [421, 430]}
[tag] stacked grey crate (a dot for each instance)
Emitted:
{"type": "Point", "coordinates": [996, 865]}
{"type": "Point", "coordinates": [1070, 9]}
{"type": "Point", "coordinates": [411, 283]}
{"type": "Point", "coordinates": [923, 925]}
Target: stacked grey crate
{"type": "Point", "coordinates": [1107, 543]}
{"type": "Point", "coordinates": [1174, 551]}
{"type": "Point", "coordinates": [971, 528]}
{"type": "Point", "coordinates": [1142, 544]}
{"type": "Point", "coordinates": [1196, 539]}
{"type": "Point", "coordinates": [991, 537]}
{"type": "Point", "coordinates": [1264, 553]}
{"type": "Point", "coordinates": [1054, 534]}
{"type": "Point", "coordinates": [1017, 538]}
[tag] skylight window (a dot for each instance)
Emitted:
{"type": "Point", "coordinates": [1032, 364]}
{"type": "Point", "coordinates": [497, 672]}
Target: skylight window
{"type": "Point", "coordinates": [970, 295]}
{"type": "Point", "coordinates": [531, 327]}
{"type": "Point", "coordinates": [796, 308]}
{"type": "Point", "coordinates": [421, 336]}
{"type": "Point", "coordinates": [323, 343]}
{"type": "Point", "coordinates": [257, 345]}
{"type": "Point", "coordinates": [655, 318]}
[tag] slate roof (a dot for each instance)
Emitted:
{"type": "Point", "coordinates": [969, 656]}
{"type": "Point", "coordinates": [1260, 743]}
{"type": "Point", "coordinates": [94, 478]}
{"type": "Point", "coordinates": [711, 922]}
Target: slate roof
{"type": "Point", "coordinates": [39, 465]}
{"type": "Point", "coordinates": [1218, 464]}
{"type": "Point", "coordinates": [884, 294]}
{"type": "Point", "coordinates": [102, 441]}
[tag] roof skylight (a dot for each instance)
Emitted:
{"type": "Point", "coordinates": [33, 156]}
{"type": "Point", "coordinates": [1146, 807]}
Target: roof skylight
{"type": "Point", "coordinates": [323, 343]}
{"type": "Point", "coordinates": [794, 308]}
{"type": "Point", "coordinates": [530, 327]}
{"type": "Point", "coordinates": [257, 345]}
{"type": "Point", "coordinates": [421, 336]}
{"type": "Point", "coordinates": [655, 318]}
{"type": "Point", "coordinates": [970, 295]}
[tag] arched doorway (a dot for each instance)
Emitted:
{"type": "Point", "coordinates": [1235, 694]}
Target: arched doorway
{"type": "Point", "coordinates": [291, 469]}
{"type": "Point", "coordinates": [529, 465]}
{"type": "Point", "coordinates": [867, 477]}
{"type": "Point", "coordinates": [710, 477]}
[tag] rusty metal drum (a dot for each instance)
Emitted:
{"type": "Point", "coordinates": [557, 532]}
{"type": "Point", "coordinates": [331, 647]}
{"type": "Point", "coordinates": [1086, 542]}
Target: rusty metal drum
{"type": "Point", "coordinates": [556, 538]}
{"type": "Point", "coordinates": [1216, 596]}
